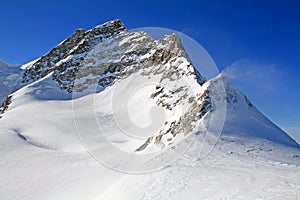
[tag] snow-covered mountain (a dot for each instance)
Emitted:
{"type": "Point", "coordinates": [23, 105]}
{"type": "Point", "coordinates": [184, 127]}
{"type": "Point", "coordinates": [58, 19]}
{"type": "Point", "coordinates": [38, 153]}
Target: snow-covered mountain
{"type": "Point", "coordinates": [10, 79]}
{"type": "Point", "coordinates": [136, 105]}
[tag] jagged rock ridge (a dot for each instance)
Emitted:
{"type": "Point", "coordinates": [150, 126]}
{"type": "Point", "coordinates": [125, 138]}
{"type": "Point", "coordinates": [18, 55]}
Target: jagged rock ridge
{"type": "Point", "coordinates": [76, 57]}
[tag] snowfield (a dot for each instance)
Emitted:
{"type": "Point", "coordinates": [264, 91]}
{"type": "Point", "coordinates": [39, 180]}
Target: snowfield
{"type": "Point", "coordinates": [175, 139]}
{"type": "Point", "coordinates": [43, 158]}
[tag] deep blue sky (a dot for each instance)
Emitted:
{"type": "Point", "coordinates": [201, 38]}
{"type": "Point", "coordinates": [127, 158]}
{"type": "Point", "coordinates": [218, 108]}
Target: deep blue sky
{"type": "Point", "coordinates": [258, 39]}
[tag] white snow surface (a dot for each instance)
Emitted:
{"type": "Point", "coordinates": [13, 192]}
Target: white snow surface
{"type": "Point", "coordinates": [48, 137]}
{"type": "Point", "coordinates": [43, 158]}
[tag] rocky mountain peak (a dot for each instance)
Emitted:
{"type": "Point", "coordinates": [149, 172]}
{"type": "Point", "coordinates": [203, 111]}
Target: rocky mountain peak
{"type": "Point", "coordinates": [174, 45]}
{"type": "Point", "coordinates": [107, 48]}
{"type": "Point", "coordinates": [81, 41]}
{"type": "Point", "coordinates": [110, 27]}
{"type": "Point", "coordinates": [110, 55]}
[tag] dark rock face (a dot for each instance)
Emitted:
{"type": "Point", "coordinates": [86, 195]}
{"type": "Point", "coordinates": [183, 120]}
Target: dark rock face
{"type": "Point", "coordinates": [80, 42]}
{"type": "Point", "coordinates": [200, 106]}
{"type": "Point", "coordinates": [46, 63]}
{"type": "Point", "coordinates": [5, 104]}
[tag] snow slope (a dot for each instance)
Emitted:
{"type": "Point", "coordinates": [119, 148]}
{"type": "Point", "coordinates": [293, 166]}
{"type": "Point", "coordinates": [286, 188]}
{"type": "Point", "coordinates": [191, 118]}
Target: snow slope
{"type": "Point", "coordinates": [243, 118]}
{"type": "Point", "coordinates": [66, 134]}
{"type": "Point", "coordinates": [42, 158]}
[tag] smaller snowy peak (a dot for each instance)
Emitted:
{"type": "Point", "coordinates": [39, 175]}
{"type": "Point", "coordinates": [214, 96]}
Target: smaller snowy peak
{"type": "Point", "coordinates": [243, 118]}
{"type": "Point", "coordinates": [235, 99]}
{"type": "Point", "coordinates": [10, 79]}
{"type": "Point", "coordinates": [4, 65]}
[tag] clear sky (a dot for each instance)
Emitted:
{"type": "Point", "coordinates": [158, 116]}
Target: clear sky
{"type": "Point", "coordinates": [257, 43]}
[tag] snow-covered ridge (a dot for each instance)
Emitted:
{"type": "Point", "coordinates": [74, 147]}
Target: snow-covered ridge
{"type": "Point", "coordinates": [108, 54]}
{"type": "Point", "coordinates": [74, 101]}
{"type": "Point", "coordinates": [244, 119]}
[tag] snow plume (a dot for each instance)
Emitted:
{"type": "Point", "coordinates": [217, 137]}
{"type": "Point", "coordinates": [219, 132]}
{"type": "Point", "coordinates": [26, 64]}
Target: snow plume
{"type": "Point", "coordinates": [261, 77]}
